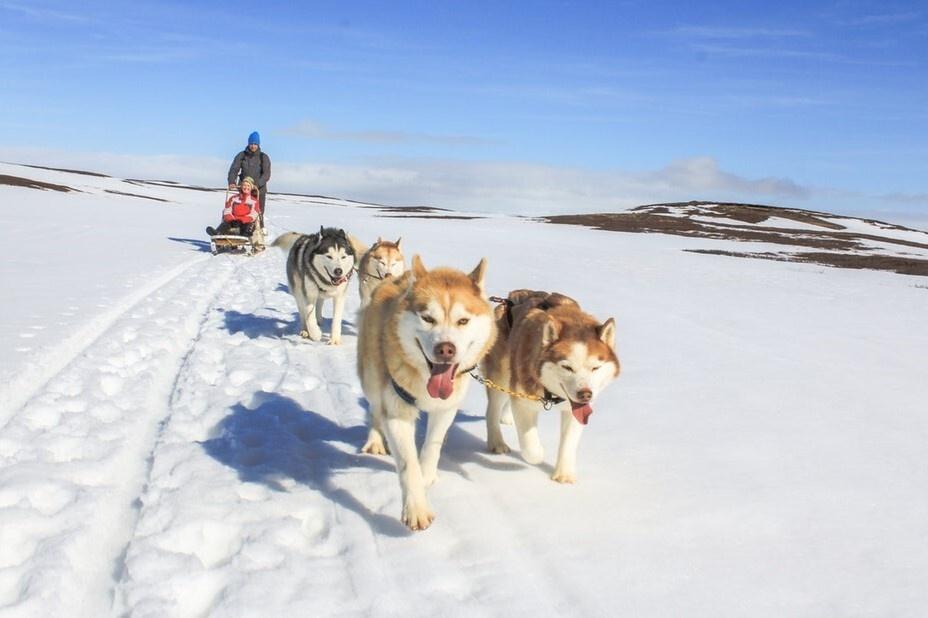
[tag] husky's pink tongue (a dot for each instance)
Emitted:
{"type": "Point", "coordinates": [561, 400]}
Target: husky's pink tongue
{"type": "Point", "coordinates": [441, 382]}
{"type": "Point", "coordinates": [581, 411]}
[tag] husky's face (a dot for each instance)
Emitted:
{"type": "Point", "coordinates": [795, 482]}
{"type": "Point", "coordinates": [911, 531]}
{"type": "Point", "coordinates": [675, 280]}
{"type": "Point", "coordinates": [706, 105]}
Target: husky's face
{"type": "Point", "coordinates": [333, 257]}
{"type": "Point", "coordinates": [580, 365]}
{"type": "Point", "coordinates": [448, 326]}
{"type": "Point", "coordinates": [386, 259]}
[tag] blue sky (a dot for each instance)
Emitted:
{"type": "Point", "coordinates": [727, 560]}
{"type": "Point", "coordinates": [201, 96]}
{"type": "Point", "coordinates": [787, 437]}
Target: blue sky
{"type": "Point", "coordinates": [520, 105]}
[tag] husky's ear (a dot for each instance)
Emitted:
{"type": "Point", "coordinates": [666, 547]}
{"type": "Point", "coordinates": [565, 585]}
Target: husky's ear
{"type": "Point", "coordinates": [379, 240]}
{"type": "Point", "coordinates": [397, 243]}
{"type": "Point", "coordinates": [606, 332]}
{"type": "Point", "coordinates": [550, 332]}
{"type": "Point", "coordinates": [418, 268]}
{"type": "Point", "coordinates": [321, 231]}
{"type": "Point", "coordinates": [357, 246]}
{"type": "Point", "coordinates": [478, 273]}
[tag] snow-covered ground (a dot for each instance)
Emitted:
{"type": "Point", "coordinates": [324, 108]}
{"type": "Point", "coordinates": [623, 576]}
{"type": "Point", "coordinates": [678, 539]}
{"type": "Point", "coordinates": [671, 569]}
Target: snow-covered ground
{"type": "Point", "coordinates": [170, 447]}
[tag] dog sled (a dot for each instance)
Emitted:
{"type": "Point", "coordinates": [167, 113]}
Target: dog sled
{"type": "Point", "coordinates": [239, 243]}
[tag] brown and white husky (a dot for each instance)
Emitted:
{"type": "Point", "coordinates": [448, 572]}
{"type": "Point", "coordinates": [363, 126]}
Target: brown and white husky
{"type": "Point", "coordinates": [382, 259]}
{"type": "Point", "coordinates": [553, 352]}
{"type": "Point", "coordinates": [418, 337]}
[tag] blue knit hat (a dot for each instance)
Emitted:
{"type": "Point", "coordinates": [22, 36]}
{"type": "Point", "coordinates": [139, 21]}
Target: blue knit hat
{"type": "Point", "coordinates": [254, 138]}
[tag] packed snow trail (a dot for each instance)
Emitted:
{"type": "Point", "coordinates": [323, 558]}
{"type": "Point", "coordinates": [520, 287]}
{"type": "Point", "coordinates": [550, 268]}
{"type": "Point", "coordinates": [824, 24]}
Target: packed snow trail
{"type": "Point", "coordinates": [73, 459]}
{"type": "Point", "coordinates": [30, 379]}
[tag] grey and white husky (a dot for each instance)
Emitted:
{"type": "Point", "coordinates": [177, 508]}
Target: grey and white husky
{"type": "Point", "coordinates": [319, 267]}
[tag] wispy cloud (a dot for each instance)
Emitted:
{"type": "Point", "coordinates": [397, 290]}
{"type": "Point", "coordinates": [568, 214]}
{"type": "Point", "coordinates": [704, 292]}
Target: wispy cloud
{"type": "Point", "coordinates": [498, 186]}
{"type": "Point", "coordinates": [147, 56]}
{"type": "Point", "coordinates": [736, 51]}
{"type": "Point", "coordinates": [532, 188]}
{"type": "Point", "coordinates": [38, 12]}
{"type": "Point", "coordinates": [884, 19]}
{"type": "Point", "coordinates": [310, 129]}
{"type": "Point", "coordinates": [723, 32]}
{"type": "Point", "coordinates": [910, 199]}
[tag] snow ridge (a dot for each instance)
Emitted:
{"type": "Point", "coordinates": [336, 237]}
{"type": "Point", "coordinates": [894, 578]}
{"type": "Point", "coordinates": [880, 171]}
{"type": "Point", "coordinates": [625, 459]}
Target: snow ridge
{"type": "Point", "coordinates": [72, 460]}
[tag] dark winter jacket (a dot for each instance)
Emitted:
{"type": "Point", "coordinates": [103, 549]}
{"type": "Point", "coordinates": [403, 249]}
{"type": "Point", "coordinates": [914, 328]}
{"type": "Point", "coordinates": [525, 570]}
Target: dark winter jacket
{"type": "Point", "coordinates": [255, 164]}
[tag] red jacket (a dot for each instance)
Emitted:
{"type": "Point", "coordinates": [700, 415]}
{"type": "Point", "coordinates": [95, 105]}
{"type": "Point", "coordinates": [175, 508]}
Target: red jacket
{"type": "Point", "coordinates": [241, 207]}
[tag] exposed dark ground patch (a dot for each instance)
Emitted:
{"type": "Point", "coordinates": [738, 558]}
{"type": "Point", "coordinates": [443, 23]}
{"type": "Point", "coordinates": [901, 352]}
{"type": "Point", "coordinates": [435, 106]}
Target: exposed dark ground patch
{"type": "Point", "coordinates": [903, 266]}
{"type": "Point", "coordinates": [404, 209]}
{"type": "Point", "coordinates": [418, 216]}
{"type": "Point", "coordinates": [61, 169]}
{"type": "Point", "coordinates": [16, 181]}
{"type": "Point", "coordinates": [169, 184]}
{"type": "Point", "coordinates": [841, 249]}
{"type": "Point", "coordinates": [144, 197]}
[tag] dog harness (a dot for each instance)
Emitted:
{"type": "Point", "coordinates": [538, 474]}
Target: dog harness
{"type": "Point", "coordinates": [548, 399]}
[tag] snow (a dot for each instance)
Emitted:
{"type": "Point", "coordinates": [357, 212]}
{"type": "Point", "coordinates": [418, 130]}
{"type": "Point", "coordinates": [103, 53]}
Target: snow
{"type": "Point", "coordinates": [170, 447]}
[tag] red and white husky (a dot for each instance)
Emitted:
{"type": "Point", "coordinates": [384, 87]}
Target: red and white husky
{"type": "Point", "coordinates": [418, 337]}
{"type": "Point", "coordinates": [549, 350]}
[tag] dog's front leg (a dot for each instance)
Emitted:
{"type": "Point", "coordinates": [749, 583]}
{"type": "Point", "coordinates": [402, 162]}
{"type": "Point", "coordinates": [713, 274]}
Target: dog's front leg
{"type": "Point", "coordinates": [496, 404]}
{"type": "Point", "coordinates": [525, 414]}
{"type": "Point", "coordinates": [566, 469]}
{"type": "Point", "coordinates": [320, 300]}
{"type": "Point", "coordinates": [401, 434]}
{"type": "Point", "coordinates": [337, 313]}
{"type": "Point", "coordinates": [375, 444]}
{"type": "Point", "coordinates": [439, 422]}
{"type": "Point", "coordinates": [311, 328]}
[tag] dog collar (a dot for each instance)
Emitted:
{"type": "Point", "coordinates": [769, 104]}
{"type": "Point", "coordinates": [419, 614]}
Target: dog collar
{"type": "Point", "coordinates": [402, 393]}
{"type": "Point", "coordinates": [550, 399]}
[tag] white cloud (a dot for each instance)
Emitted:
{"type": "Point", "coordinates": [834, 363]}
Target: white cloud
{"type": "Point", "coordinates": [722, 32]}
{"type": "Point", "coordinates": [525, 188]}
{"type": "Point", "coordinates": [530, 188]}
{"type": "Point", "coordinates": [311, 129]}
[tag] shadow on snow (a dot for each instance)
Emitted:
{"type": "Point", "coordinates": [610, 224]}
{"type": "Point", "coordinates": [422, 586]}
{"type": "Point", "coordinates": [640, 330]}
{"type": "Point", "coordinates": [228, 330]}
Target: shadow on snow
{"type": "Point", "coordinates": [199, 245]}
{"type": "Point", "coordinates": [254, 326]}
{"type": "Point", "coordinates": [276, 439]}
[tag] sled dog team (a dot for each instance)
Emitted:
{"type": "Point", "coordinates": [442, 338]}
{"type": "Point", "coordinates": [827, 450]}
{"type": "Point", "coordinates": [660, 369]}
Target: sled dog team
{"type": "Point", "coordinates": [422, 332]}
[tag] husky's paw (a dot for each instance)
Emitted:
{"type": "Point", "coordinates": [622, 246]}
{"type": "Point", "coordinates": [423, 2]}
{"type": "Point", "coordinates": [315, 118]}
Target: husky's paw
{"type": "Point", "coordinates": [312, 335]}
{"type": "Point", "coordinates": [564, 477]}
{"type": "Point", "coordinates": [335, 341]}
{"type": "Point", "coordinates": [533, 455]}
{"type": "Point", "coordinates": [374, 446]}
{"type": "Point", "coordinates": [498, 447]}
{"type": "Point", "coordinates": [417, 516]}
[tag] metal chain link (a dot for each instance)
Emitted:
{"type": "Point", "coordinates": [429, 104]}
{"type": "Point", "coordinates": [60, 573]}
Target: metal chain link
{"type": "Point", "coordinates": [545, 402]}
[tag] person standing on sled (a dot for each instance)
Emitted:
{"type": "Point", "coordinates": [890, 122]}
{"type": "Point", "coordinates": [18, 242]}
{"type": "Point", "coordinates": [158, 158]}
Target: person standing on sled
{"type": "Point", "coordinates": [253, 163]}
{"type": "Point", "coordinates": [241, 212]}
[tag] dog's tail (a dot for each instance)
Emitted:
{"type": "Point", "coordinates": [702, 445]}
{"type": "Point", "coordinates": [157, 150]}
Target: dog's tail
{"type": "Point", "coordinates": [286, 240]}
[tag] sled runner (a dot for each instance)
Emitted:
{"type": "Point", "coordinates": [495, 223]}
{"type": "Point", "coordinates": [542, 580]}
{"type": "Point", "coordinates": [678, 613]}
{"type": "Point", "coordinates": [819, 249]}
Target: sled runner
{"type": "Point", "coordinates": [238, 243]}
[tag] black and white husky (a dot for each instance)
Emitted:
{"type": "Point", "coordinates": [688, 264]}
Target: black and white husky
{"type": "Point", "coordinates": [318, 267]}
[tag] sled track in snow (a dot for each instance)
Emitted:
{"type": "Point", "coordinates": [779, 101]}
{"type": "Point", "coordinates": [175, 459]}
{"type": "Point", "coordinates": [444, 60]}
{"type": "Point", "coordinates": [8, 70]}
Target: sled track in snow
{"type": "Point", "coordinates": [28, 382]}
{"type": "Point", "coordinates": [72, 455]}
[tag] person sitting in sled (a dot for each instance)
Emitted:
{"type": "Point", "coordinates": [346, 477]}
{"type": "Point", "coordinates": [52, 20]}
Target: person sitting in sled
{"type": "Point", "coordinates": [241, 211]}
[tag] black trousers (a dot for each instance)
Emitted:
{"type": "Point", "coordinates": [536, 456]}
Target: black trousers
{"type": "Point", "coordinates": [235, 228]}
